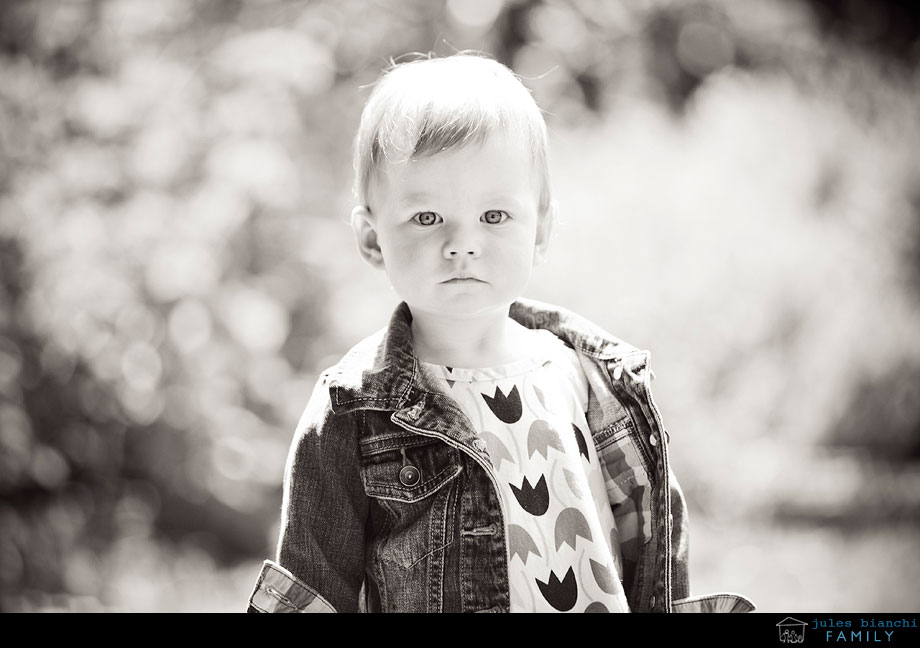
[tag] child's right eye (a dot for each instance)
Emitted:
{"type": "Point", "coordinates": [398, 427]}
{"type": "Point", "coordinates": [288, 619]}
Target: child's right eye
{"type": "Point", "coordinates": [426, 218]}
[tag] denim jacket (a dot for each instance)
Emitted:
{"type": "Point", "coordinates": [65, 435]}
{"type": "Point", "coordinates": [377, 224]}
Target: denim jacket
{"type": "Point", "coordinates": [391, 502]}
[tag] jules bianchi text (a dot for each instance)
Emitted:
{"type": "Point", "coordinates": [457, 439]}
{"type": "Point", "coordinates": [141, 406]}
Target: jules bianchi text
{"type": "Point", "coordinates": [865, 630]}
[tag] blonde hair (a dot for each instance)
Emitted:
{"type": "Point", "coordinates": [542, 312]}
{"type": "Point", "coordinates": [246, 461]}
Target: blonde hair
{"type": "Point", "coordinates": [429, 105]}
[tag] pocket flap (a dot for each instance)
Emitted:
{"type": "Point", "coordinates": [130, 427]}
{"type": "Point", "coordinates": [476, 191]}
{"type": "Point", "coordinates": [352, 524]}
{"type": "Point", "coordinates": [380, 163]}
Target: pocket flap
{"type": "Point", "coordinates": [435, 464]}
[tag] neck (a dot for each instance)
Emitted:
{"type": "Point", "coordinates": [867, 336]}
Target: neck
{"type": "Point", "coordinates": [481, 340]}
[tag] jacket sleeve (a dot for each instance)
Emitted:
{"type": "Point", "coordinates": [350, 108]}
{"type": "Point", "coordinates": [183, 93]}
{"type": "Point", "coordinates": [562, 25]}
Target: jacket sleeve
{"type": "Point", "coordinates": [319, 564]}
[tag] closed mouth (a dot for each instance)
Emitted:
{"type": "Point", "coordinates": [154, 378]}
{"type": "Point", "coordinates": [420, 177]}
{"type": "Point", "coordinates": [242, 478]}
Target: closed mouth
{"type": "Point", "coordinates": [463, 280]}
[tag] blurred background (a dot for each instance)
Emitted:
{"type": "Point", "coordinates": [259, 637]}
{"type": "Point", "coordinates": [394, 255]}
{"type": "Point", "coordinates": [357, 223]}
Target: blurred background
{"type": "Point", "coordinates": [739, 191]}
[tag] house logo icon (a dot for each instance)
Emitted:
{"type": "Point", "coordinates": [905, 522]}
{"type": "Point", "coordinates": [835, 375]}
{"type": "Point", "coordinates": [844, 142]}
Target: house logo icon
{"type": "Point", "coordinates": [791, 631]}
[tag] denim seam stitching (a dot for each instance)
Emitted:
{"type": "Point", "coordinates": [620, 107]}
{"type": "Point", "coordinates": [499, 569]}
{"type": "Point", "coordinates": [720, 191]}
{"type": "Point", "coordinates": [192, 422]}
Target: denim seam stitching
{"type": "Point", "coordinates": [404, 441]}
{"type": "Point", "coordinates": [364, 399]}
{"type": "Point", "coordinates": [609, 434]}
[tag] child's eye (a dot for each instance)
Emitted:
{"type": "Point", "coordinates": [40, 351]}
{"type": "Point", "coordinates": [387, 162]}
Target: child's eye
{"type": "Point", "coordinates": [495, 216]}
{"type": "Point", "coordinates": [426, 218]}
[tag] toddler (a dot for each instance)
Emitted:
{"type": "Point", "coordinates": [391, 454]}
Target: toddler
{"type": "Point", "coordinates": [483, 452]}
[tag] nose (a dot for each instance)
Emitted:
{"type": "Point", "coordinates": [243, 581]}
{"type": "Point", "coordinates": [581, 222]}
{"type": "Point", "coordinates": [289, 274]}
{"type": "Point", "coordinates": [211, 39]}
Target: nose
{"type": "Point", "coordinates": [461, 242]}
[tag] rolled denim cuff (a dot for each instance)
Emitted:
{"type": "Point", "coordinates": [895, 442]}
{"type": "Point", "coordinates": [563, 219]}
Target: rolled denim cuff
{"type": "Point", "coordinates": [719, 602]}
{"type": "Point", "coordinates": [278, 590]}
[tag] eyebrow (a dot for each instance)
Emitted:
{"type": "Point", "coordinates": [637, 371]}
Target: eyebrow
{"type": "Point", "coordinates": [415, 197]}
{"type": "Point", "coordinates": [421, 197]}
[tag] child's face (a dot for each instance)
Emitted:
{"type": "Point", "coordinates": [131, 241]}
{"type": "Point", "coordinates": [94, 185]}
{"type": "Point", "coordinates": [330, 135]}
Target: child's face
{"type": "Point", "coordinates": [458, 232]}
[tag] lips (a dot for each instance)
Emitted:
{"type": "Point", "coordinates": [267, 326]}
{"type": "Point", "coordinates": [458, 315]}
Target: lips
{"type": "Point", "coordinates": [462, 279]}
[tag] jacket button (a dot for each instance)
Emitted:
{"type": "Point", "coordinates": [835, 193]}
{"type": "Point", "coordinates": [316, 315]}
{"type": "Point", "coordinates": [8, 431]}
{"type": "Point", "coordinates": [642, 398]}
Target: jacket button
{"type": "Point", "coordinates": [651, 601]}
{"type": "Point", "coordinates": [617, 372]}
{"type": "Point", "coordinates": [409, 476]}
{"type": "Point", "coordinates": [653, 439]}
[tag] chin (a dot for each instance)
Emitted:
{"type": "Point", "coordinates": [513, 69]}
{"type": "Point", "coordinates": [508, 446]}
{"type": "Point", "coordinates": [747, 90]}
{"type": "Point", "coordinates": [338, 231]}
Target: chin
{"type": "Point", "coordinates": [462, 306]}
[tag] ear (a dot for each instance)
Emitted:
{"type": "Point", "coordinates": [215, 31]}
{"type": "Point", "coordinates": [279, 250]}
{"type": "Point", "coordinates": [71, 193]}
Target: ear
{"type": "Point", "coordinates": [544, 233]}
{"type": "Point", "coordinates": [362, 222]}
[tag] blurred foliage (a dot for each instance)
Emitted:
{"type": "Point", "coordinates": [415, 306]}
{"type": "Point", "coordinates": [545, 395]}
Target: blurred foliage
{"type": "Point", "coordinates": [175, 268]}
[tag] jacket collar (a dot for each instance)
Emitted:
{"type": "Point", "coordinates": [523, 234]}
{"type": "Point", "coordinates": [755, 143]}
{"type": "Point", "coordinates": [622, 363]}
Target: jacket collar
{"type": "Point", "coordinates": [578, 332]}
{"type": "Point", "coordinates": [382, 372]}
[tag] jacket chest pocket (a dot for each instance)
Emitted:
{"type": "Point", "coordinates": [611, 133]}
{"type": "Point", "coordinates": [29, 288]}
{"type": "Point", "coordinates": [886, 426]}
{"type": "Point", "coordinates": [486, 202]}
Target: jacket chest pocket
{"type": "Point", "coordinates": [412, 480]}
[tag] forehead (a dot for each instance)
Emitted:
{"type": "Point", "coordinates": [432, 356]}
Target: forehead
{"type": "Point", "coordinates": [499, 165]}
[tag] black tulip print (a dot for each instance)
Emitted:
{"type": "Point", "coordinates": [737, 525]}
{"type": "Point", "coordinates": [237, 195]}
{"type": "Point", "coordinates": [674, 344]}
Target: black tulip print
{"type": "Point", "coordinates": [582, 444]}
{"type": "Point", "coordinates": [506, 408]}
{"type": "Point", "coordinates": [560, 594]}
{"type": "Point", "coordinates": [533, 499]}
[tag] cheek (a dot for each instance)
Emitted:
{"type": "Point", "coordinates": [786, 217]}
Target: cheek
{"type": "Point", "coordinates": [520, 254]}
{"type": "Point", "coordinates": [517, 263]}
{"type": "Point", "coordinates": [403, 252]}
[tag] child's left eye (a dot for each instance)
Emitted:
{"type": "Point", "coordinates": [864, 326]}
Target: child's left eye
{"type": "Point", "coordinates": [495, 216]}
{"type": "Point", "coordinates": [426, 218]}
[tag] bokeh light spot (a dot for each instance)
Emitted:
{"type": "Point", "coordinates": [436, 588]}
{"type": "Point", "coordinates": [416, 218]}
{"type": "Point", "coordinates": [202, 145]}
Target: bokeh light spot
{"type": "Point", "coordinates": [263, 168]}
{"type": "Point", "coordinates": [189, 325]}
{"type": "Point", "coordinates": [10, 362]}
{"type": "Point", "coordinates": [159, 155]}
{"type": "Point", "coordinates": [48, 467]}
{"type": "Point", "coordinates": [15, 443]}
{"type": "Point", "coordinates": [134, 19]}
{"type": "Point", "coordinates": [561, 29]}
{"type": "Point", "coordinates": [83, 446]}
{"type": "Point", "coordinates": [216, 209]}
{"type": "Point", "coordinates": [477, 14]}
{"type": "Point", "coordinates": [136, 322]}
{"type": "Point", "coordinates": [103, 108]}
{"type": "Point", "coordinates": [232, 457]}
{"type": "Point", "coordinates": [143, 406]}
{"type": "Point", "coordinates": [324, 23]}
{"type": "Point", "coordinates": [87, 169]}
{"type": "Point", "coordinates": [91, 335]}
{"type": "Point", "coordinates": [278, 55]}
{"type": "Point", "coordinates": [180, 268]}
{"type": "Point", "coordinates": [141, 366]}
{"type": "Point", "coordinates": [11, 563]}
{"type": "Point", "coordinates": [703, 48]}
{"type": "Point", "coordinates": [255, 319]}
{"type": "Point", "coordinates": [82, 229]}
{"type": "Point", "coordinates": [181, 407]}
{"type": "Point", "coordinates": [252, 111]}
{"type": "Point", "coordinates": [265, 375]}
{"type": "Point", "coordinates": [82, 573]}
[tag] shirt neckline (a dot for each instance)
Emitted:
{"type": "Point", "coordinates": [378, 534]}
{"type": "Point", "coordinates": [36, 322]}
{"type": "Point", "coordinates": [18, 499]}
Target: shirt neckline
{"type": "Point", "coordinates": [541, 355]}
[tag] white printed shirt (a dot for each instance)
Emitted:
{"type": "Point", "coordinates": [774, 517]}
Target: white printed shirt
{"type": "Point", "coordinates": [563, 545]}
